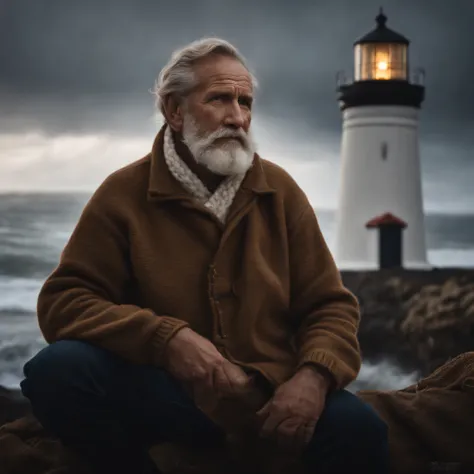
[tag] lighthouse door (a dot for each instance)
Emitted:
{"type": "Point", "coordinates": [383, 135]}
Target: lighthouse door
{"type": "Point", "coordinates": [390, 247]}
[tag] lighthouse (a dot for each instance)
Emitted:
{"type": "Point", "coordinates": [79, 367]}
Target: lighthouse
{"type": "Point", "coordinates": [380, 160]}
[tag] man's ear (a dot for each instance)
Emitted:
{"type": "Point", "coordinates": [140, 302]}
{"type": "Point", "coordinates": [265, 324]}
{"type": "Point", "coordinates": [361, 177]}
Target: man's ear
{"type": "Point", "coordinates": [174, 113]}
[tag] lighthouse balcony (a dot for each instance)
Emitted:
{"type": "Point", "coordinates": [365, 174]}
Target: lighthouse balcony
{"type": "Point", "coordinates": [416, 77]}
{"type": "Point", "coordinates": [405, 92]}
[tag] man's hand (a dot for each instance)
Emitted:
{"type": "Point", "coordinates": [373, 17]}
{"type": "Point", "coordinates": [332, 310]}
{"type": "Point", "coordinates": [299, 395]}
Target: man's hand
{"type": "Point", "coordinates": [206, 374]}
{"type": "Point", "coordinates": [290, 417]}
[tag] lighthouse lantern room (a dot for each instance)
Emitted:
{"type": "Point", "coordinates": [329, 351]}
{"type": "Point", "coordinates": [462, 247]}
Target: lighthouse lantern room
{"type": "Point", "coordinates": [380, 163]}
{"type": "Point", "coordinates": [381, 54]}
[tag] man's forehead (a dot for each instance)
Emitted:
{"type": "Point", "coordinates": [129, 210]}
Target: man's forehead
{"type": "Point", "coordinates": [223, 72]}
{"type": "Point", "coordinates": [228, 82]}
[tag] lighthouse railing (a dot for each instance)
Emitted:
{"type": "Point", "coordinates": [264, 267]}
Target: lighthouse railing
{"type": "Point", "coordinates": [342, 79]}
{"type": "Point", "coordinates": [416, 77]}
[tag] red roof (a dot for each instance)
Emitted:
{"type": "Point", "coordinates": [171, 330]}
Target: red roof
{"type": "Point", "coordinates": [386, 219]}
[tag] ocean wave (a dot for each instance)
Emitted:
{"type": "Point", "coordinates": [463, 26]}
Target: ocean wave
{"type": "Point", "coordinates": [19, 295]}
{"type": "Point", "coordinates": [462, 258]}
{"type": "Point", "coordinates": [15, 351]}
{"type": "Point", "coordinates": [30, 265]}
{"type": "Point", "coordinates": [383, 376]}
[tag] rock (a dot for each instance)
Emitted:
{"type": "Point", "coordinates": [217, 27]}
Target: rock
{"type": "Point", "coordinates": [417, 319]}
{"type": "Point", "coordinates": [440, 322]}
{"type": "Point", "coordinates": [13, 405]}
{"type": "Point", "coordinates": [381, 297]}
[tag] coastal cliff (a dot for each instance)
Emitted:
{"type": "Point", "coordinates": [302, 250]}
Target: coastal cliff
{"type": "Point", "coordinates": [417, 319]}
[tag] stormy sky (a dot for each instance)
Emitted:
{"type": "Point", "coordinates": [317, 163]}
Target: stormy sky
{"type": "Point", "coordinates": [75, 80]}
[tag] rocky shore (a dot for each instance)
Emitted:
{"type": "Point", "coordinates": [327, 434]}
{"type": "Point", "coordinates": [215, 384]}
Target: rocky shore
{"type": "Point", "coordinates": [417, 319]}
{"type": "Point", "coordinates": [12, 405]}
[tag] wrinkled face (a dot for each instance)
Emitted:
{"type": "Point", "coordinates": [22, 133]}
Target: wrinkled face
{"type": "Point", "coordinates": [224, 95]}
{"type": "Point", "coordinates": [217, 116]}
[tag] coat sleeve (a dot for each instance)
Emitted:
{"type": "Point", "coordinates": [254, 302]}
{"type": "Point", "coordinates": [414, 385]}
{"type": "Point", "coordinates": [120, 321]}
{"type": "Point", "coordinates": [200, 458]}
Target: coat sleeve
{"type": "Point", "coordinates": [84, 298]}
{"type": "Point", "coordinates": [327, 314]}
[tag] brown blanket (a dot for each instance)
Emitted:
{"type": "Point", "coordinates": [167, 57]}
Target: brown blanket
{"type": "Point", "coordinates": [431, 430]}
{"type": "Point", "coordinates": [431, 423]}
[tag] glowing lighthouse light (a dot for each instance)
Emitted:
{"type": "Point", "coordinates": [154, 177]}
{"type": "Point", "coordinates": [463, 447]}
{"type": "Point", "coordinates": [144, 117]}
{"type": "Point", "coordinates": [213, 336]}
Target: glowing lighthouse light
{"type": "Point", "coordinates": [381, 62]}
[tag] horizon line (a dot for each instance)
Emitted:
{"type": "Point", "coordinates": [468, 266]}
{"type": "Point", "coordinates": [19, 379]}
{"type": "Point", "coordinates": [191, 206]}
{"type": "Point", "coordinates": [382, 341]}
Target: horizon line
{"type": "Point", "coordinates": [428, 211]}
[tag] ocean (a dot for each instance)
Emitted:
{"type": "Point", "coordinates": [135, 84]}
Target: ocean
{"type": "Point", "coordinates": [35, 227]}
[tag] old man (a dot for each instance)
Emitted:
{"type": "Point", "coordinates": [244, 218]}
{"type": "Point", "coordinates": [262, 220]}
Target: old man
{"type": "Point", "coordinates": [196, 274]}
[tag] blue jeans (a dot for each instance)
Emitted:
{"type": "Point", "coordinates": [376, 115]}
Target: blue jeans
{"type": "Point", "coordinates": [111, 411]}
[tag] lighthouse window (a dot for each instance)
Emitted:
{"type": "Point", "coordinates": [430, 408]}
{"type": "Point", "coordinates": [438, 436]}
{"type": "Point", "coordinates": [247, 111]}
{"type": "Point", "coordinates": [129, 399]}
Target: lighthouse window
{"type": "Point", "coordinates": [384, 150]}
{"type": "Point", "coordinates": [380, 61]}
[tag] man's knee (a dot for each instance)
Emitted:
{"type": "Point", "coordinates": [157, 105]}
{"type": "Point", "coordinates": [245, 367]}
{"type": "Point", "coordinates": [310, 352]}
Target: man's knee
{"type": "Point", "coordinates": [348, 434]}
{"type": "Point", "coordinates": [349, 424]}
{"type": "Point", "coordinates": [353, 419]}
{"type": "Point", "coordinates": [59, 365]}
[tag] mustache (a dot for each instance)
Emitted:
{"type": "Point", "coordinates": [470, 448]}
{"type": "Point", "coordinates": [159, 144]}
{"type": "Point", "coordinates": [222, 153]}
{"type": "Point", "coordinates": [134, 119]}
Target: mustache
{"type": "Point", "coordinates": [229, 133]}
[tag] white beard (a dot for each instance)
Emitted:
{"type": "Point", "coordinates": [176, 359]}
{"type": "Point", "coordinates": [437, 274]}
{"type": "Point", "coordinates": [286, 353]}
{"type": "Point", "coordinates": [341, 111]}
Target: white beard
{"type": "Point", "coordinates": [232, 157]}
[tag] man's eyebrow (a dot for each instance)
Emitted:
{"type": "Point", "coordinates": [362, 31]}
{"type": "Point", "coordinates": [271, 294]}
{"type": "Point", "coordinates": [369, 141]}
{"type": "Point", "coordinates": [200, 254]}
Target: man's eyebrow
{"type": "Point", "coordinates": [247, 96]}
{"type": "Point", "coordinates": [217, 92]}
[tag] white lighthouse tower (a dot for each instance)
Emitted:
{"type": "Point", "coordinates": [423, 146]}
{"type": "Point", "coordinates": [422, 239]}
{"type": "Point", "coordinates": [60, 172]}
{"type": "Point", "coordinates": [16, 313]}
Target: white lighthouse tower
{"type": "Point", "coordinates": [380, 151]}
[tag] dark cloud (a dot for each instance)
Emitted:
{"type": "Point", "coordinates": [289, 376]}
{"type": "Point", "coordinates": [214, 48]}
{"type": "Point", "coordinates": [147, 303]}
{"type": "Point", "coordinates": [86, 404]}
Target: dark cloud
{"type": "Point", "coordinates": [77, 67]}
{"type": "Point", "coordinates": [109, 51]}
{"type": "Point", "coordinates": [88, 65]}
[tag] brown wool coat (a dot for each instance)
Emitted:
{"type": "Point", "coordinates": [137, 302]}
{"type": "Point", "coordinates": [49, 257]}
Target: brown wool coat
{"type": "Point", "coordinates": [146, 260]}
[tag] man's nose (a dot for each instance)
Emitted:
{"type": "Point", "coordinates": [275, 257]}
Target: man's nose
{"type": "Point", "coordinates": [234, 117]}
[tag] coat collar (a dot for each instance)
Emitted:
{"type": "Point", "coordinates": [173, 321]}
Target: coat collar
{"type": "Point", "coordinates": [162, 186]}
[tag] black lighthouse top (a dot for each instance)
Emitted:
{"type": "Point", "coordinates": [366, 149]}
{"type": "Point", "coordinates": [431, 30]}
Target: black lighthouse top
{"type": "Point", "coordinates": [381, 71]}
{"type": "Point", "coordinates": [382, 34]}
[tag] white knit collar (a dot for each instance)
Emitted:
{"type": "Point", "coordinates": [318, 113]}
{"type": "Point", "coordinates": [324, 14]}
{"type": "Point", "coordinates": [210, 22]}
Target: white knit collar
{"type": "Point", "coordinates": [218, 203]}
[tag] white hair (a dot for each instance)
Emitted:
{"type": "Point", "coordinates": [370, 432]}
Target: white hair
{"type": "Point", "coordinates": [177, 77]}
